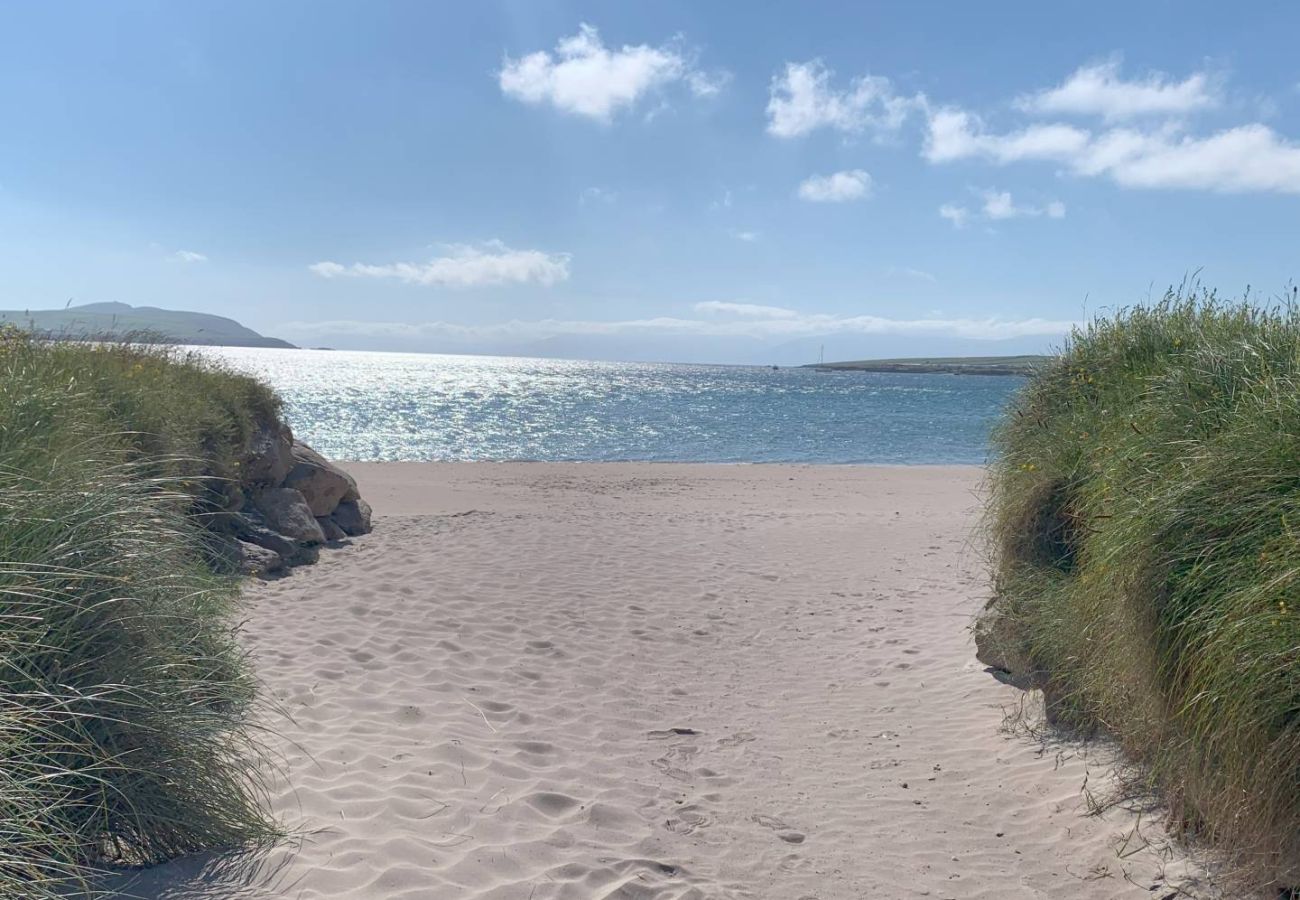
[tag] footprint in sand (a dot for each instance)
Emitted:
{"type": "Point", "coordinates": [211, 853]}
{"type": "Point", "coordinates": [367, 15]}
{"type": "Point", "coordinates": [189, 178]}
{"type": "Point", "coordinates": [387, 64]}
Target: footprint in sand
{"type": "Point", "coordinates": [783, 831]}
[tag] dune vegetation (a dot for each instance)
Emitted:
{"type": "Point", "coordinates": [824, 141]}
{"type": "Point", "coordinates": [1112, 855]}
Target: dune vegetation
{"type": "Point", "coordinates": [125, 735]}
{"type": "Point", "coordinates": [1145, 523]}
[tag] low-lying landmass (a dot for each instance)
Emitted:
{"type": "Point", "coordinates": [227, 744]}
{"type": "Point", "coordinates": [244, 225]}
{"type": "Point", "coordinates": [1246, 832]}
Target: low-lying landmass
{"type": "Point", "coordinates": [941, 365]}
{"type": "Point", "coordinates": [144, 324]}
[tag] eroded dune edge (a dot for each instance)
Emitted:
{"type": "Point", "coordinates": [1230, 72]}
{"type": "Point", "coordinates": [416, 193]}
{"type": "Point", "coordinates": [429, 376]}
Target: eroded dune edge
{"type": "Point", "coordinates": [543, 681]}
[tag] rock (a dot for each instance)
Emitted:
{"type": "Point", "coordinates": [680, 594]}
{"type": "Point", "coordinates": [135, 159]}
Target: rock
{"type": "Point", "coordinates": [353, 516]}
{"type": "Point", "coordinates": [257, 561]}
{"type": "Point", "coordinates": [332, 531]}
{"type": "Point", "coordinates": [287, 511]}
{"type": "Point", "coordinates": [264, 537]}
{"type": "Point", "coordinates": [270, 455]}
{"type": "Point", "coordinates": [322, 483]}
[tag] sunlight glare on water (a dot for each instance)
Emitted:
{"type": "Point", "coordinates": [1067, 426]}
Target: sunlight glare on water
{"type": "Point", "coordinates": [412, 406]}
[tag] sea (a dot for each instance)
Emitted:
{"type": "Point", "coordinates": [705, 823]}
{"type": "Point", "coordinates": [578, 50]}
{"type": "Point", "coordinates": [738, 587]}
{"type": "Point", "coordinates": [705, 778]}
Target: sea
{"type": "Point", "coordinates": [374, 406]}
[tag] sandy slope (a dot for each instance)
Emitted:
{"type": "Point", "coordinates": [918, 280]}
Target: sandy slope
{"type": "Point", "coordinates": [640, 681]}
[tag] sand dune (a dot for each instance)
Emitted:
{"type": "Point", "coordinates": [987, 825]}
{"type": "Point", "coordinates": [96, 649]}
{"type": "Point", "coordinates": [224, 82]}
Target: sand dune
{"type": "Point", "coordinates": [539, 681]}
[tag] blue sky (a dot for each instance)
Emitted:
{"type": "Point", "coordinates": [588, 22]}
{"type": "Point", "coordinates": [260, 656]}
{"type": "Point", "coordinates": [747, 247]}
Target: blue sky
{"type": "Point", "coordinates": [706, 181]}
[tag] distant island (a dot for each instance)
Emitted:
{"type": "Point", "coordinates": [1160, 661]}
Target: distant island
{"type": "Point", "coordinates": [940, 365]}
{"type": "Point", "coordinates": [145, 324]}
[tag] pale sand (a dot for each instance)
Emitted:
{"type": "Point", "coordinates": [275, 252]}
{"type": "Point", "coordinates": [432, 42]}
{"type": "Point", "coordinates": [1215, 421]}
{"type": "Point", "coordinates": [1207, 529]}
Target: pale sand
{"type": "Point", "coordinates": [540, 681]}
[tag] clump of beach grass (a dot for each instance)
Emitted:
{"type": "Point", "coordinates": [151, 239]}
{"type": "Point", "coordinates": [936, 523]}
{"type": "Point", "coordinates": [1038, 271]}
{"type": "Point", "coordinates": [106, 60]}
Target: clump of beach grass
{"type": "Point", "coordinates": [1145, 525]}
{"type": "Point", "coordinates": [125, 701]}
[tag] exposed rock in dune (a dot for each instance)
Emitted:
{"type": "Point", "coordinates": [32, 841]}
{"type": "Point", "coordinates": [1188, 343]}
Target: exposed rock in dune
{"type": "Point", "coordinates": [270, 455]}
{"type": "Point", "coordinates": [320, 482]}
{"type": "Point", "coordinates": [287, 511]}
{"type": "Point", "coordinates": [331, 530]}
{"type": "Point", "coordinates": [256, 560]}
{"type": "Point", "coordinates": [286, 501]}
{"type": "Point", "coordinates": [353, 516]}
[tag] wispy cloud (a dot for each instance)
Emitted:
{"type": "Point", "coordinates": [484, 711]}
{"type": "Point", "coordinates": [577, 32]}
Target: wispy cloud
{"type": "Point", "coordinates": [997, 206]}
{"type": "Point", "coordinates": [1158, 153]}
{"type": "Point", "coordinates": [957, 215]}
{"type": "Point", "coordinates": [585, 78]}
{"type": "Point", "coordinates": [464, 266]}
{"type": "Point", "coordinates": [714, 319]}
{"type": "Point", "coordinates": [853, 184]}
{"type": "Point", "coordinates": [802, 99]}
{"type": "Point", "coordinates": [748, 237]}
{"type": "Point", "coordinates": [750, 310]}
{"type": "Point", "coordinates": [919, 274]}
{"type": "Point", "coordinates": [1100, 90]}
{"type": "Point", "coordinates": [1247, 158]}
{"type": "Point", "coordinates": [189, 256]}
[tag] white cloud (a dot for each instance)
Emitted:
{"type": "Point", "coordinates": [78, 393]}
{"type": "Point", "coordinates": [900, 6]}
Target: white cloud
{"type": "Point", "coordinates": [1158, 153]}
{"type": "Point", "coordinates": [748, 237]}
{"type": "Point", "coordinates": [1242, 159]}
{"type": "Point", "coordinates": [999, 205]}
{"type": "Point", "coordinates": [853, 184]}
{"type": "Point", "coordinates": [586, 78]}
{"type": "Point", "coordinates": [802, 100]}
{"type": "Point", "coordinates": [189, 256]}
{"type": "Point", "coordinates": [1098, 90]}
{"type": "Point", "coordinates": [956, 134]}
{"type": "Point", "coordinates": [465, 266]}
{"type": "Point", "coordinates": [957, 215]}
{"type": "Point", "coordinates": [737, 320]}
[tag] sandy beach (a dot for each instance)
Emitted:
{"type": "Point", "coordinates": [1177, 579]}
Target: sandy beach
{"type": "Point", "coordinates": [544, 681]}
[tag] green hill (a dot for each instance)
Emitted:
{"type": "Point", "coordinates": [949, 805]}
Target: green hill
{"type": "Point", "coordinates": [944, 365]}
{"type": "Point", "coordinates": [148, 324]}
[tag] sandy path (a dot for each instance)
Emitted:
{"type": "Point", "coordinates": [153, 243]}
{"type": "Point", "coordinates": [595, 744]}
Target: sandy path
{"type": "Point", "coordinates": [641, 681]}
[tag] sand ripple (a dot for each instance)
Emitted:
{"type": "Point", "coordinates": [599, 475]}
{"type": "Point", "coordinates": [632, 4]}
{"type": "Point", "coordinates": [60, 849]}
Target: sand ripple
{"type": "Point", "coordinates": [657, 683]}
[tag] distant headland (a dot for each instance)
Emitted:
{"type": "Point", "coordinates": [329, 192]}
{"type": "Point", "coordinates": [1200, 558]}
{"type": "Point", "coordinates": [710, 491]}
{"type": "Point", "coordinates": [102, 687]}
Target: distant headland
{"type": "Point", "coordinates": [945, 365]}
{"type": "Point", "coordinates": [144, 324]}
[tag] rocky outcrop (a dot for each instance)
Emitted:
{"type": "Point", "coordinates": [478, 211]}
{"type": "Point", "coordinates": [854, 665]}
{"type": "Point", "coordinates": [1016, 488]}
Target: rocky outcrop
{"type": "Point", "coordinates": [270, 455]}
{"type": "Point", "coordinates": [258, 561]}
{"type": "Point", "coordinates": [287, 512]}
{"type": "Point", "coordinates": [287, 502]}
{"type": "Point", "coordinates": [320, 482]}
{"type": "Point", "coordinates": [353, 516]}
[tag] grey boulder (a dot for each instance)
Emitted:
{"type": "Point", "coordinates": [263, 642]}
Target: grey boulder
{"type": "Point", "coordinates": [287, 511]}
{"type": "Point", "coordinates": [320, 482]}
{"type": "Point", "coordinates": [331, 530]}
{"type": "Point", "coordinates": [353, 516]}
{"type": "Point", "coordinates": [258, 561]}
{"type": "Point", "coordinates": [270, 455]}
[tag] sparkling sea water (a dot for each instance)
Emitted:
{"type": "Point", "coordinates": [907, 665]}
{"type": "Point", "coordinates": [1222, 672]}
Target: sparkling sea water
{"type": "Point", "coordinates": [414, 406]}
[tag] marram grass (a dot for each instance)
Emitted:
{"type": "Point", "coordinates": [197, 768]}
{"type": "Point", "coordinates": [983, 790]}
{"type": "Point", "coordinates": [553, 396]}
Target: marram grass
{"type": "Point", "coordinates": [1145, 524]}
{"type": "Point", "coordinates": [125, 735]}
